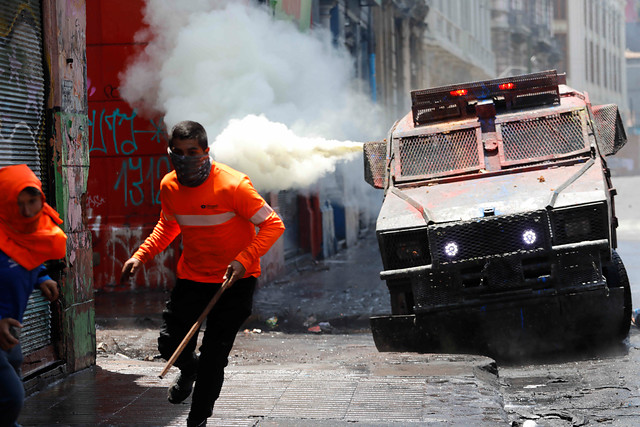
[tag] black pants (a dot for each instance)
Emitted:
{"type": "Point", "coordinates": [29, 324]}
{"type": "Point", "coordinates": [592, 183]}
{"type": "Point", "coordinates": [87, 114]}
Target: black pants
{"type": "Point", "coordinates": [188, 300]}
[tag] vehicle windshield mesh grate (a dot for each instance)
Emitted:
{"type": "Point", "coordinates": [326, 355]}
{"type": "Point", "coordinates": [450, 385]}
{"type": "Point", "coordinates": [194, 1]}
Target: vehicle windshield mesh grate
{"type": "Point", "coordinates": [440, 153]}
{"type": "Point", "coordinates": [543, 137]}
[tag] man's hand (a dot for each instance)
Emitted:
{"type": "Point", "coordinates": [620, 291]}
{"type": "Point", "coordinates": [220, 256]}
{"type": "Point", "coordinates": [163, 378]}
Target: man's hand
{"type": "Point", "coordinates": [130, 268]}
{"type": "Point", "coordinates": [235, 271]}
{"type": "Point", "coordinates": [8, 341]}
{"type": "Point", "coordinates": [50, 290]}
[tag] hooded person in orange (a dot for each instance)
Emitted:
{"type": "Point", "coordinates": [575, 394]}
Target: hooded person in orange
{"type": "Point", "coordinates": [216, 209]}
{"type": "Point", "coordinates": [29, 236]}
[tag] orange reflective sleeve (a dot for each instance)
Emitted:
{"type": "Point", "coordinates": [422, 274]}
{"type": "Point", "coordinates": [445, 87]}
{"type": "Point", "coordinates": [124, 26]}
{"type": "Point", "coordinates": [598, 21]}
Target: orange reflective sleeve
{"type": "Point", "coordinates": [165, 231]}
{"type": "Point", "coordinates": [252, 206]}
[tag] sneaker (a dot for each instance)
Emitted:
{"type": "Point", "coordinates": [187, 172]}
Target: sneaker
{"type": "Point", "coordinates": [180, 388]}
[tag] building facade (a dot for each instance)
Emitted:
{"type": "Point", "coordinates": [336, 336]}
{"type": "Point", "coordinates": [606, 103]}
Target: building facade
{"type": "Point", "coordinates": [627, 161]}
{"type": "Point", "coordinates": [591, 39]}
{"type": "Point", "coordinates": [457, 42]}
{"type": "Point", "coordinates": [522, 36]}
{"type": "Point", "coordinates": [400, 61]}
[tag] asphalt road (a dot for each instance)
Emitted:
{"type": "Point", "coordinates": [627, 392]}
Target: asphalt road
{"type": "Point", "coordinates": [597, 386]}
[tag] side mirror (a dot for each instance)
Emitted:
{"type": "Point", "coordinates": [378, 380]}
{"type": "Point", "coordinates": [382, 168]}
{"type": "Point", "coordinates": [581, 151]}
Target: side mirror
{"type": "Point", "coordinates": [375, 162]}
{"type": "Point", "coordinates": [612, 135]}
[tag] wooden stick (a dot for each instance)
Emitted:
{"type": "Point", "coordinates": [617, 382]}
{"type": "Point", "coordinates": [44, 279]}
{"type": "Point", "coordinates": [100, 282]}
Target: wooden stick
{"type": "Point", "coordinates": [193, 329]}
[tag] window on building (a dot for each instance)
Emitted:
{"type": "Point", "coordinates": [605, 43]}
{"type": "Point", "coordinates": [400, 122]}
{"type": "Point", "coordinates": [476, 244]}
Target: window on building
{"type": "Point", "coordinates": [617, 22]}
{"type": "Point", "coordinates": [592, 62]}
{"type": "Point", "coordinates": [596, 60]}
{"type": "Point", "coordinates": [614, 71]}
{"type": "Point", "coordinates": [561, 45]}
{"type": "Point", "coordinates": [560, 10]}
{"type": "Point", "coordinates": [605, 69]}
{"type": "Point", "coordinates": [517, 5]}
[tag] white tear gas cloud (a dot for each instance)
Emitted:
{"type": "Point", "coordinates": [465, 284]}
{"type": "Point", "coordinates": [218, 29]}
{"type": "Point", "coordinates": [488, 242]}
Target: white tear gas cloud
{"type": "Point", "coordinates": [275, 101]}
{"type": "Point", "coordinates": [273, 154]}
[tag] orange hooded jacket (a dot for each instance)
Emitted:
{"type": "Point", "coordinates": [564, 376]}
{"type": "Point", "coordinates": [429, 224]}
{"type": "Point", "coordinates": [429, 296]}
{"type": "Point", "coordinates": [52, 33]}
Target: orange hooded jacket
{"type": "Point", "coordinates": [28, 241]}
{"type": "Point", "coordinates": [217, 220]}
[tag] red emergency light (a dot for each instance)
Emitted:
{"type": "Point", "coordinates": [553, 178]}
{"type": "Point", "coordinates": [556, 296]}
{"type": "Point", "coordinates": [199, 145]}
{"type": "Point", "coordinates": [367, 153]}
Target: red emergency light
{"type": "Point", "coordinates": [508, 93]}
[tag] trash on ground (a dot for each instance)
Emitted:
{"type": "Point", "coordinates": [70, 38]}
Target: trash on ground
{"type": "Point", "coordinates": [272, 322]}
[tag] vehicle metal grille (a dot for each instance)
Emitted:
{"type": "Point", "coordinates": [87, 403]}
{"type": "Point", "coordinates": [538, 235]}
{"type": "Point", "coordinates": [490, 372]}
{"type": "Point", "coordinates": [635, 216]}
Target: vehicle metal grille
{"type": "Point", "coordinates": [612, 134]}
{"type": "Point", "coordinates": [375, 156]}
{"type": "Point", "coordinates": [439, 153]}
{"type": "Point", "coordinates": [489, 237]}
{"type": "Point", "coordinates": [504, 272]}
{"type": "Point", "coordinates": [542, 137]}
{"type": "Point", "coordinates": [578, 224]}
{"type": "Point", "coordinates": [435, 289]}
{"type": "Point", "coordinates": [579, 268]}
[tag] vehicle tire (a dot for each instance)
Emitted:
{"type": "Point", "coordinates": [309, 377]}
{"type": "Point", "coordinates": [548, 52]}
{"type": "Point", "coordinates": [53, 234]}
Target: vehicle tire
{"type": "Point", "coordinates": [616, 275]}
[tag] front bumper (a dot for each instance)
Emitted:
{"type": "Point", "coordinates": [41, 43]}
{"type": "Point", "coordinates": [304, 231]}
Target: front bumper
{"type": "Point", "coordinates": [402, 273]}
{"type": "Point", "coordinates": [511, 328]}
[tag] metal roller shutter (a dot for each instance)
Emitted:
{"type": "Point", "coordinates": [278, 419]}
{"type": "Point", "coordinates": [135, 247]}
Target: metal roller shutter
{"type": "Point", "coordinates": [22, 112]}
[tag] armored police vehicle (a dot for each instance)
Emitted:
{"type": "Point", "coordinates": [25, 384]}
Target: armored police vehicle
{"type": "Point", "coordinates": [498, 228]}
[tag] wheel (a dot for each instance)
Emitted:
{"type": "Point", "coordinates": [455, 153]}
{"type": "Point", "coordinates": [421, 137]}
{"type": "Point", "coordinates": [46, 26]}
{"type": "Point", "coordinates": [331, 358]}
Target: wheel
{"type": "Point", "coordinates": [616, 275]}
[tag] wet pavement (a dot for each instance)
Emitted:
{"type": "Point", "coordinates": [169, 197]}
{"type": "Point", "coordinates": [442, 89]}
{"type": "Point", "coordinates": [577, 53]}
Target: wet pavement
{"type": "Point", "coordinates": [307, 358]}
{"type": "Point", "coordinates": [341, 381]}
{"type": "Point", "coordinates": [280, 372]}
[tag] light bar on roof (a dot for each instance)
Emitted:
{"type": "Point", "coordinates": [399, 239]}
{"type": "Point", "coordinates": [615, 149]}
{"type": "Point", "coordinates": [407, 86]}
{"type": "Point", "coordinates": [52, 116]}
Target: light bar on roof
{"type": "Point", "coordinates": [507, 93]}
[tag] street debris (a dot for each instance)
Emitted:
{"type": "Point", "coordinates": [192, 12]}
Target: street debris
{"type": "Point", "coordinates": [272, 322]}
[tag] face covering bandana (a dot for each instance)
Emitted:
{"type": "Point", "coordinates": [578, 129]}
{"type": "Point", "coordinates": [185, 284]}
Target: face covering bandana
{"type": "Point", "coordinates": [191, 170]}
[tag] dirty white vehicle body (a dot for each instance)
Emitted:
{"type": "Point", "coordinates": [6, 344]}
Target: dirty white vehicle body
{"type": "Point", "coordinates": [498, 229]}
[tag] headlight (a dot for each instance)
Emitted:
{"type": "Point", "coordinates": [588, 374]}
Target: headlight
{"type": "Point", "coordinates": [529, 237]}
{"type": "Point", "coordinates": [451, 249]}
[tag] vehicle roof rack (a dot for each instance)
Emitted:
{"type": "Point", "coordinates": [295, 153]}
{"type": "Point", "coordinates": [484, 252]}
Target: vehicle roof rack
{"type": "Point", "coordinates": [508, 93]}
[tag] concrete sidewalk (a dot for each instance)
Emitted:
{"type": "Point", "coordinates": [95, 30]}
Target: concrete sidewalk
{"type": "Point", "coordinates": [338, 380]}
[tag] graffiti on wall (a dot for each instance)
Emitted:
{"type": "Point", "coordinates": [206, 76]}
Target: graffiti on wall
{"type": "Point", "coordinates": [115, 134]}
{"type": "Point", "coordinates": [121, 242]}
{"type": "Point", "coordinates": [128, 161]}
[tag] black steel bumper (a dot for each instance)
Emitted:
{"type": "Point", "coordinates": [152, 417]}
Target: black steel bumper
{"type": "Point", "coordinates": [514, 328]}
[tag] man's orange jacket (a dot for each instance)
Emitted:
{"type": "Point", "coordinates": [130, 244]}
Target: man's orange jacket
{"type": "Point", "coordinates": [217, 220]}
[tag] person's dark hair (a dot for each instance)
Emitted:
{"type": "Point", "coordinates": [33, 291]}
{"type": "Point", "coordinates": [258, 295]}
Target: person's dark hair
{"type": "Point", "coordinates": [189, 130]}
{"type": "Point", "coordinates": [32, 191]}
